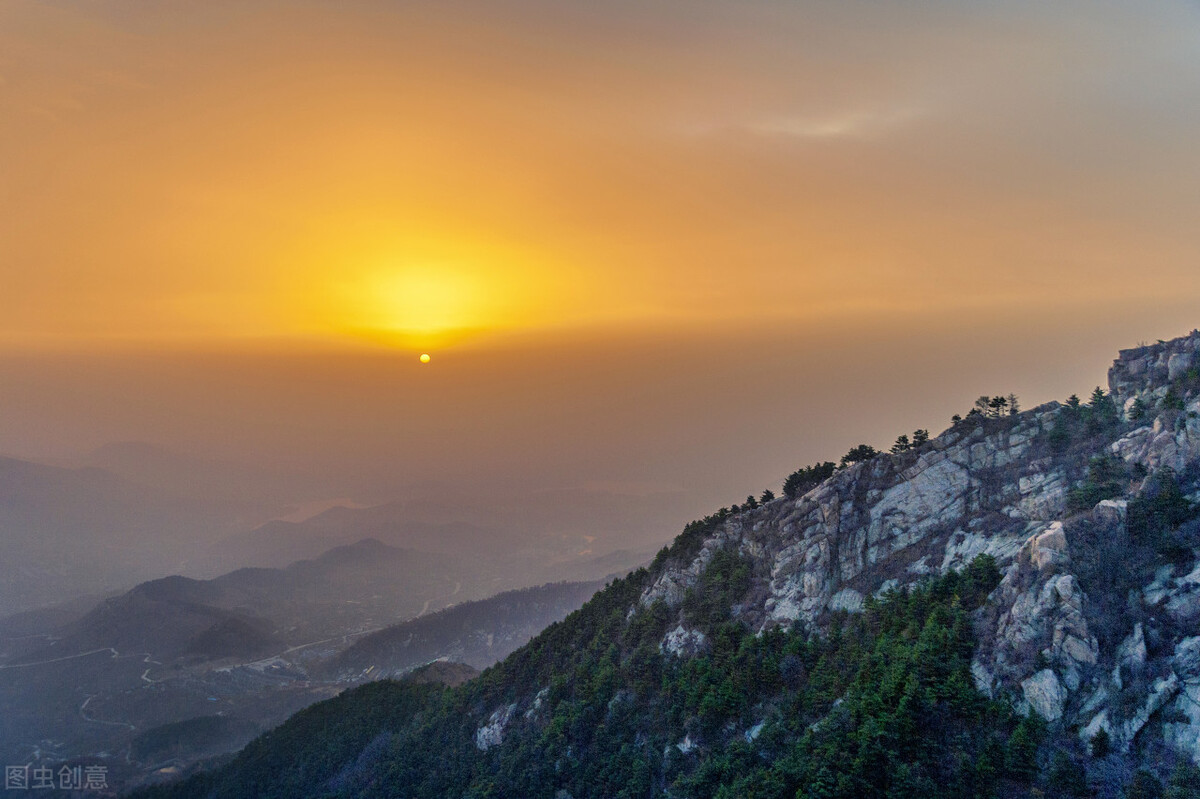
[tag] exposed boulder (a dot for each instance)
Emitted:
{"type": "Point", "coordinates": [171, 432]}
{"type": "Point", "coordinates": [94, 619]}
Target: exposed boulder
{"type": "Point", "coordinates": [1045, 695]}
{"type": "Point", "coordinates": [1178, 363]}
{"type": "Point", "coordinates": [1160, 693]}
{"type": "Point", "coordinates": [1131, 655]}
{"type": "Point", "coordinates": [682, 641]}
{"type": "Point", "coordinates": [1050, 547]}
{"type": "Point", "coordinates": [492, 733]}
{"type": "Point", "coordinates": [1158, 445]}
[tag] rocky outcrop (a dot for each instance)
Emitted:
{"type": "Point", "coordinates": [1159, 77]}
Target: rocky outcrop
{"type": "Point", "coordinates": [1001, 487]}
{"type": "Point", "coordinates": [1040, 619]}
{"type": "Point", "coordinates": [1148, 371]}
{"type": "Point", "coordinates": [1163, 689]}
{"type": "Point", "coordinates": [1158, 445]}
{"type": "Point", "coordinates": [1131, 656]}
{"type": "Point", "coordinates": [1044, 694]}
{"type": "Point", "coordinates": [492, 733]}
{"type": "Point", "coordinates": [977, 488]}
{"type": "Point", "coordinates": [1183, 731]}
{"type": "Point", "coordinates": [682, 641]}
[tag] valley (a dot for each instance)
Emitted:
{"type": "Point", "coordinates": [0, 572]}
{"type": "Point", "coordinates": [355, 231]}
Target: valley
{"type": "Point", "coordinates": [177, 671]}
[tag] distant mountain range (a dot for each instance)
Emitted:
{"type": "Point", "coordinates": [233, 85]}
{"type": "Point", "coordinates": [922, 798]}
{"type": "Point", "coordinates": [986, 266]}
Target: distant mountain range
{"type": "Point", "coordinates": [177, 669]}
{"type": "Point", "coordinates": [510, 556]}
{"type": "Point", "coordinates": [137, 511]}
{"type": "Point", "coordinates": [249, 612]}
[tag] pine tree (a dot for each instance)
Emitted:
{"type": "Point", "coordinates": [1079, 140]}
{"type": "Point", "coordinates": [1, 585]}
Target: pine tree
{"type": "Point", "coordinates": [1067, 777]}
{"type": "Point", "coordinates": [807, 478]}
{"type": "Point", "coordinates": [1101, 745]}
{"type": "Point", "coordinates": [1020, 753]}
{"type": "Point", "coordinates": [1184, 782]}
{"type": "Point", "coordinates": [862, 452]}
{"type": "Point", "coordinates": [1144, 785]}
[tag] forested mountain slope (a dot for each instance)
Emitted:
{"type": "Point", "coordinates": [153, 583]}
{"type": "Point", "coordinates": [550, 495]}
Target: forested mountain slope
{"type": "Point", "coordinates": [1009, 608]}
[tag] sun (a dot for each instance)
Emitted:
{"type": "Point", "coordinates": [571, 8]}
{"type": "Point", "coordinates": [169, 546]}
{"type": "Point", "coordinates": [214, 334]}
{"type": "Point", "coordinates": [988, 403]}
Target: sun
{"type": "Point", "coordinates": [426, 300]}
{"type": "Point", "coordinates": [425, 357]}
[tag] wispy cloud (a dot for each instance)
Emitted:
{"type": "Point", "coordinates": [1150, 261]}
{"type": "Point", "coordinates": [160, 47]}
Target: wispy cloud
{"type": "Point", "coordinates": [848, 123]}
{"type": "Point", "coordinates": [835, 125]}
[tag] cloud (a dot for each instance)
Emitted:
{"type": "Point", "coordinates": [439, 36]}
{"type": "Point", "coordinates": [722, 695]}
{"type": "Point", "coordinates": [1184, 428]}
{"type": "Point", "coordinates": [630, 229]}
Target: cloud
{"type": "Point", "coordinates": [848, 124]}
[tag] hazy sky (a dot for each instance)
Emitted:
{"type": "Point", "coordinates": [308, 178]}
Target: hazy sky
{"type": "Point", "coordinates": [688, 244]}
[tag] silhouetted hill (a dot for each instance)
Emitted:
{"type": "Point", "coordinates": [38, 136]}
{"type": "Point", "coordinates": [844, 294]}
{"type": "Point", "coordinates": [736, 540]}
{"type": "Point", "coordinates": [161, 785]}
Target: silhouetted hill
{"type": "Point", "coordinates": [476, 633]}
{"type": "Point", "coordinates": [249, 612]}
{"type": "Point", "coordinates": [441, 672]}
{"type": "Point", "coordinates": [512, 552]}
{"type": "Point", "coordinates": [279, 541]}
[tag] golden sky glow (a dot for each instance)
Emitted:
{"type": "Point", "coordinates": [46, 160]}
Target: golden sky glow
{"type": "Point", "coordinates": [659, 253]}
{"type": "Point", "coordinates": [416, 174]}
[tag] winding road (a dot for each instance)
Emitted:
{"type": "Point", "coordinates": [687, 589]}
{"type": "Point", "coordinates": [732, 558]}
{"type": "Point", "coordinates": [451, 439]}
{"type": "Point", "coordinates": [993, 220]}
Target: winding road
{"type": "Point", "coordinates": [115, 655]}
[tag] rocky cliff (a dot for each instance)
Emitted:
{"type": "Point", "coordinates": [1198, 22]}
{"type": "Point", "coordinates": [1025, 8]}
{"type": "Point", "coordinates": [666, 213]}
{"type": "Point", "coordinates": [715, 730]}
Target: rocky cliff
{"type": "Point", "coordinates": [1087, 508]}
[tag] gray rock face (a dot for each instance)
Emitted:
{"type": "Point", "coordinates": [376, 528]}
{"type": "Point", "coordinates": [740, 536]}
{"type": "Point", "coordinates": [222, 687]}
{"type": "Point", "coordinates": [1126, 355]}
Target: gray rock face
{"type": "Point", "coordinates": [1160, 693]}
{"type": "Point", "coordinates": [1041, 614]}
{"type": "Point", "coordinates": [1131, 655]}
{"type": "Point", "coordinates": [492, 733]}
{"type": "Point", "coordinates": [1143, 370]}
{"type": "Point", "coordinates": [1184, 731]}
{"type": "Point", "coordinates": [1178, 363]}
{"type": "Point", "coordinates": [682, 641]}
{"type": "Point", "coordinates": [1045, 695]}
{"type": "Point", "coordinates": [994, 486]}
{"type": "Point", "coordinates": [846, 599]}
{"type": "Point", "coordinates": [973, 489]}
{"type": "Point", "coordinates": [1187, 659]}
{"type": "Point", "coordinates": [1156, 446]}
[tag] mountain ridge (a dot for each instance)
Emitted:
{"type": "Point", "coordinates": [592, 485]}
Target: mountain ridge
{"type": "Point", "coordinates": [1075, 663]}
{"type": "Point", "coordinates": [168, 616]}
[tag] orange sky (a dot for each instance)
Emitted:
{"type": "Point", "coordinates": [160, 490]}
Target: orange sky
{"type": "Point", "coordinates": [395, 172]}
{"type": "Point", "coordinates": [685, 244]}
